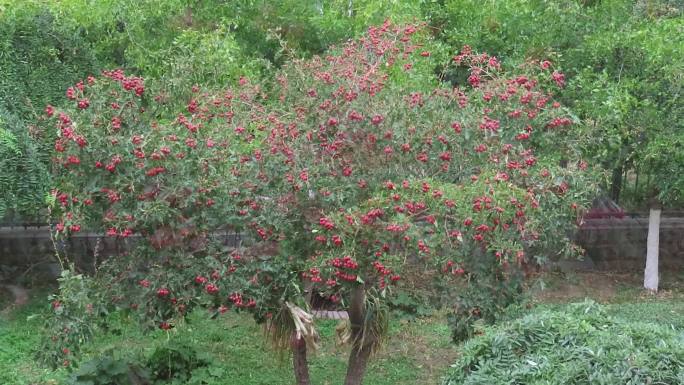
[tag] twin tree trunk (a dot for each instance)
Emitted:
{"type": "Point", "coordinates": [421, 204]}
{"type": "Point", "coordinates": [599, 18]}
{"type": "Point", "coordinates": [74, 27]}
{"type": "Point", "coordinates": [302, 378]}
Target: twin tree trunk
{"type": "Point", "coordinates": [360, 351]}
{"type": "Point", "coordinates": [299, 361]}
{"type": "Point", "coordinates": [361, 347]}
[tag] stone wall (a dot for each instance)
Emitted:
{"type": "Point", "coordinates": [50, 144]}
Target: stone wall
{"type": "Point", "coordinates": [619, 243]}
{"type": "Point", "coordinates": [26, 246]}
{"type": "Point", "coordinates": [614, 243]}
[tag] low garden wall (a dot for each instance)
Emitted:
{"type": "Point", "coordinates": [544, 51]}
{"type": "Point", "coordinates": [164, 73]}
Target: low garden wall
{"type": "Point", "coordinates": [32, 246]}
{"type": "Point", "coordinates": [618, 243]}
{"type": "Point", "coordinates": [613, 243]}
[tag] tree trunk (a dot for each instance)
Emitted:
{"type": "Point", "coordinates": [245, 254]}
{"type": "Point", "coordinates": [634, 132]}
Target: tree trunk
{"type": "Point", "coordinates": [299, 361]}
{"type": "Point", "coordinates": [361, 350]}
{"type": "Point", "coordinates": [616, 184]}
{"type": "Point", "coordinates": [651, 272]}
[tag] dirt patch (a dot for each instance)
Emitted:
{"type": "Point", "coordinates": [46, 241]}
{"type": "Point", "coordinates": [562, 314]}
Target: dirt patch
{"type": "Point", "coordinates": [428, 342]}
{"type": "Point", "coordinates": [6, 298]}
{"type": "Point", "coordinates": [12, 296]}
{"type": "Point", "coordinates": [605, 287]}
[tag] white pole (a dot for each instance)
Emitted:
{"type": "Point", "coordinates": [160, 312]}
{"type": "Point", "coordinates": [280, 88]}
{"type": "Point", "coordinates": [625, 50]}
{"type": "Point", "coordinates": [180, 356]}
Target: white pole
{"type": "Point", "coordinates": [651, 272]}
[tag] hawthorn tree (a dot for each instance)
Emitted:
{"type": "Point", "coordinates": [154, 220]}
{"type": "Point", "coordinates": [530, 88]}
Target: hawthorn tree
{"type": "Point", "coordinates": [342, 172]}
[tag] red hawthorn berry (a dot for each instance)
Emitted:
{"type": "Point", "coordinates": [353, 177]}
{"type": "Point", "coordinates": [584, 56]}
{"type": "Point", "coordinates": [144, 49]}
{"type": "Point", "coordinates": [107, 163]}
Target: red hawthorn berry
{"type": "Point", "coordinates": [49, 111]}
{"type": "Point", "coordinates": [165, 326]}
{"type": "Point", "coordinates": [163, 292]}
{"type": "Point", "coordinates": [211, 289]}
{"type": "Point", "coordinates": [83, 104]}
{"type": "Point", "coordinates": [559, 78]}
{"type": "Point", "coordinates": [72, 159]}
{"type": "Point", "coordinates": [326, 223]}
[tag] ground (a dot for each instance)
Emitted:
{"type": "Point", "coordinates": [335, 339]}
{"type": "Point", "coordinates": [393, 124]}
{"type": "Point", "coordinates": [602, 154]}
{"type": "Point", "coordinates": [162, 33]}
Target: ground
{"type": "Point", "coordinates": [416, 352]}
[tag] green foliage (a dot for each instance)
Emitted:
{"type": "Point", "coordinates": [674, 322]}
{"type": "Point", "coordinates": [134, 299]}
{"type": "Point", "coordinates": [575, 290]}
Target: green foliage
{"type": "Point", "coordinates": [174, 363]}
{"type": "Point", "coordinates": [24, 176]}
{"type": "Point", "coordinates": [410, 306]}
{"type": "Point", "coordinates": [624, 65]}
{"type": "Point", "coordinates": [579, 344]}
{"type": "Point", "coordinates": [39, 58]}
{"type": "Point", "coordinates": [77, 314]}
{"type": "Point", "coordinates": [486, 299]}
{"type": "Point", "coordinates": [107, 370]}
{"type": "Point", "coordinates": [170, 363]}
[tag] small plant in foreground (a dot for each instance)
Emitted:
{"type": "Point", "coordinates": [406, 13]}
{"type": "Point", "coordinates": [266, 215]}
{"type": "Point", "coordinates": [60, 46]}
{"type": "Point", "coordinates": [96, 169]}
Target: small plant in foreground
{"type": "Point", "coordinates": [579, 344]}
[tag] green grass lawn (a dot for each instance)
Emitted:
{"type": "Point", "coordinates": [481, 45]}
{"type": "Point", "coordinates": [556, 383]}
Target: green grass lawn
{"type": "Point", "coordinates": [417, 352]}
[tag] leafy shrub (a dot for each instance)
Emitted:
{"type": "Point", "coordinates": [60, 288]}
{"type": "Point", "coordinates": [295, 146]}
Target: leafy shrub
{"type": "Point", "coordinates": [485, 300]}
{"type": "Point", "coordinates": [77, 312]}
{"type": "Point", "coordinates": [24, 177]}
{"type": "Point", "coordinates": [623, 73]}
{"type": "Point", "coordinates": [174, 362]}
{"type": "Point", "coordinates": [408, 305]}
{"type": "Point", "coordinates": [108, 370]}
{"type": "Point", "coordinates": [41, 56]}
{"type": "Point", "coordinates": [577, 345]}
